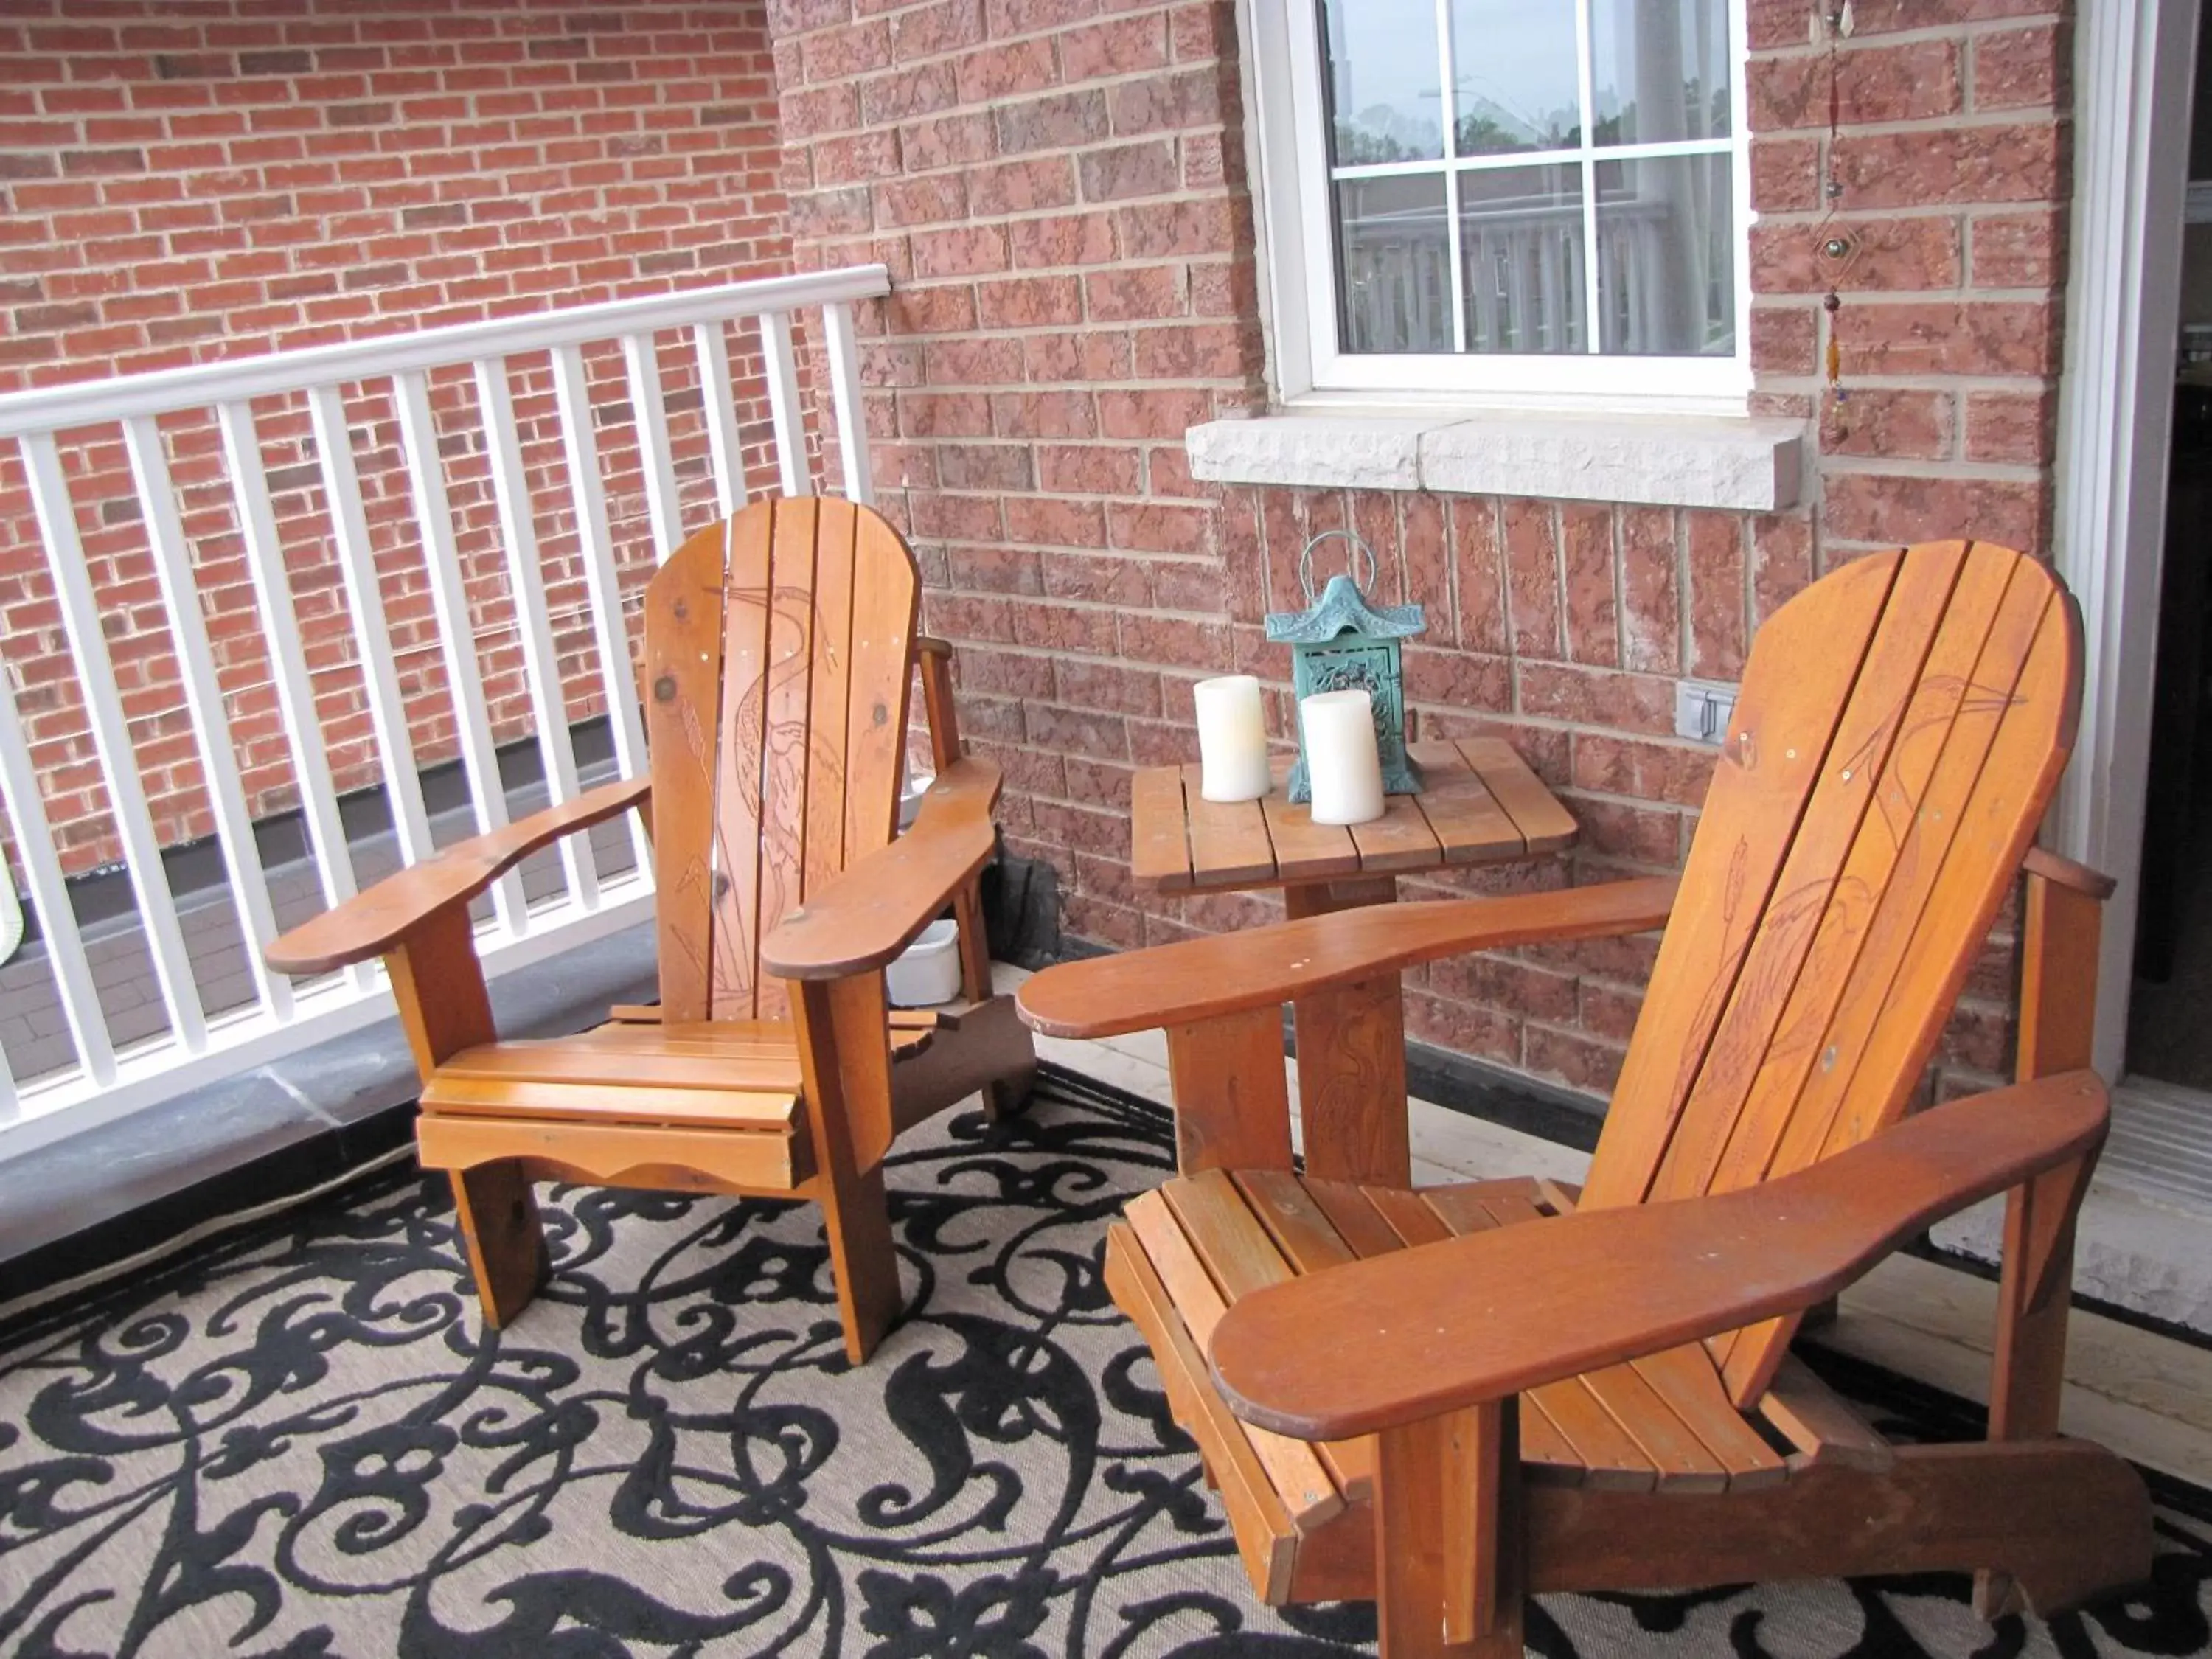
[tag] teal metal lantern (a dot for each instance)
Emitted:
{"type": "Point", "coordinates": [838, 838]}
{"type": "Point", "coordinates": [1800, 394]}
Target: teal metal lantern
{"type": "Point", "coordinates": [1339, 642]}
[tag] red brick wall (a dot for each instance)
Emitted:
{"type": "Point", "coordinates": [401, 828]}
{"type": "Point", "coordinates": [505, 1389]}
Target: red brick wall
{"type": "Point", "coordinates": [190, 180]}
{"type": "Point", "coordinates": [1059, 187]}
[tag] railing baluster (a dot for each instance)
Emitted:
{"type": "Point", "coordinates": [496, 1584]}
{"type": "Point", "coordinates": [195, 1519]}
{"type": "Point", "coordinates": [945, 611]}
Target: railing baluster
{"type": "Point", "coordinates": [457, 645]}
{"type": "Point", "coordinates": [845, 398]}
{"type": "Point", "coordinates": [387, 715]}
{"type": "Point", "coordinates": [572, 395]}
{"type": "Point", "coordinates": [718, 400]}
{"type": "Point", "coordinates": [42, 868]}
{"type": "Point", "coordinates": [525, 579]}
{"type": "Point", "coordinates": [783, 408]}
{"type": "Point", "coordinates": [649, 415]}
{"type": "Point", "coordinates": [173, 569]}
{"type": "Point", "coordinates": [111, 741]}
{"type": "Point", "coordinates": [287, 661]}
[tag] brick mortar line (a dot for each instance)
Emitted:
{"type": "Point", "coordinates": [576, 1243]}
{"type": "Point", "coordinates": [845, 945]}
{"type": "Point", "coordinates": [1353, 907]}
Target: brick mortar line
{"type": "Point", "coordinates": [1933, 380]}
{"type": "Point", "coordinates": [1166, 9]}
{"type": "Point", "coordinates": [1125, 263]}
{"type": "Point", "coordinates": [1086, 147]}
{"type": "Point", "coordinates": [1962, 470]}
{"type": "Point", "coordinates": [1975, 211]}
{"type": "Point", "coordinates": [1967, 29]}
{"type": "Point", "coordinates": [1010, 101]}
{"type": "Point", "coordinates": [299, 135]}
{"type": "Point", "coordinates": [280, 93]}
{"type": "Point", "coordinates": [1794, 301]}
{"type": "Point", "coordinates": [2028, 115]}
{"type": "Point", "coordinates": [991, 44]}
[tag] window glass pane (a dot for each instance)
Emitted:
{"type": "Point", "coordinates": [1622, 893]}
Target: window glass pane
{"type": "Point", "coordinates": [1521, 245]}
{"type": "Point", "coordinates": [1394, 251]}
{"type": "Point", "coordinates": [1379, 75]}
{"type": "Point", "coordinates": [1513, 63]}
{"type": "Point", "coordinates": [1660, 70]}
{"type": "Point", "coordinates": [1666, 256]}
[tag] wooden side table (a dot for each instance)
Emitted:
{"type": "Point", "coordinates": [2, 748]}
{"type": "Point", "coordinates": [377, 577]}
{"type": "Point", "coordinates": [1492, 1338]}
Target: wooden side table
{"type": "Point", "coordinates": [1480, 804]}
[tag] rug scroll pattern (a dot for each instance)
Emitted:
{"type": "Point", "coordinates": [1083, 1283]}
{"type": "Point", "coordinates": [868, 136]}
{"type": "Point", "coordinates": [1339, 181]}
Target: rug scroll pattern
{"type": "Point", "coordinates": [299, 1441]}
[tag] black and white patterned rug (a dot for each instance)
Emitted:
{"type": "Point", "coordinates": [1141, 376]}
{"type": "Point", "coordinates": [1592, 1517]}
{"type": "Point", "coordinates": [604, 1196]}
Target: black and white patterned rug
{"type": "Point", "coordinates": [299, 1441]}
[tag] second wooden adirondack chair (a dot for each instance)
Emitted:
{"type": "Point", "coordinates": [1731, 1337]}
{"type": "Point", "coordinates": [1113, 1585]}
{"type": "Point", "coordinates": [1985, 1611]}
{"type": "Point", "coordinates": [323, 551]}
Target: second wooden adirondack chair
{"type": "Point", "coordinates": [780, 651]}
{"type": "Point", "coordinates": [1448, 1399]}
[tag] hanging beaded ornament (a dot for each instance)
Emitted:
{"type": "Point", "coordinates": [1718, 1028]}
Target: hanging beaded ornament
{"type": "Point", "coordinates": [1835, 251]}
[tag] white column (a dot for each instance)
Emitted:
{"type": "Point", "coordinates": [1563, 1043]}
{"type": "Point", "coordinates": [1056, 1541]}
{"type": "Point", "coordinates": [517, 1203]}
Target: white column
{"type": "Point", "coordinates": [649, 412]}
{"type": "Point", "coordinates": [525, 581]}
{"type": "Point", "coordinates": [718, 401]}
{"type": "Point", "coordinates": [20, 792]}
{"type": "Point", "coordinates": [845, 398]}
{"type": "Point", "coordinates": [783, 401]}
{"type": "Point", "coordinates": [111, 741]}
{"type": "Point", "coordinates": [457, 643]}
{"type": "Point", "coordinates": [287, 661]}
{"type": "Point", "coordinates": [372, 635]}
{"type": "Point", "coordinates": [180, 597]}
{"type": "Point", "coordinates": [610, 632]}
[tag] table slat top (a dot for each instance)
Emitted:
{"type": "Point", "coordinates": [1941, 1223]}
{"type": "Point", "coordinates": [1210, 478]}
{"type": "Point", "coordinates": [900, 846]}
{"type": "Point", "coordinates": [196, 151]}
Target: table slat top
{"type": "Point", "coordinates": [1480, 804]}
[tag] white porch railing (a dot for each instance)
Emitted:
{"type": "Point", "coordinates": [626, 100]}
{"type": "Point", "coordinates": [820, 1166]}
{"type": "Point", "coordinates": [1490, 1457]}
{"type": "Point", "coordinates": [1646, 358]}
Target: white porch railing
{"type": "Point", "coordinates": [47, 426]}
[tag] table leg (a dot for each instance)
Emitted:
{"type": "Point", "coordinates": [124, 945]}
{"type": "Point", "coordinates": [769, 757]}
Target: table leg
{"type": "Point", "coordinates": [1352, 1056]}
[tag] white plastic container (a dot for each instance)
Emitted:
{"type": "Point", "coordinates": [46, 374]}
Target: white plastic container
{"type": "Point", "coordinates": [928, 972]}
{"type": "Point", "coordinates": [910, 794]}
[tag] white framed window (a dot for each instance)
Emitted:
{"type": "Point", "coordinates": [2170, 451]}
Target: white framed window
{"type": "Point", "coordinates": [1516, 202]}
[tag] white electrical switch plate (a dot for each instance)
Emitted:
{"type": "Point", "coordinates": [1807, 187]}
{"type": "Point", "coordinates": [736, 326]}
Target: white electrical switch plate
{"type": "Point", "coordinates": [1702, 708]}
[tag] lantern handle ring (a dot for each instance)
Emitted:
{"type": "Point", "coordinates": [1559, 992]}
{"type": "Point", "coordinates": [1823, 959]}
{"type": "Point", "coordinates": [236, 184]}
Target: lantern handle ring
{"type": "Point", "coordinates": [1359, 551]}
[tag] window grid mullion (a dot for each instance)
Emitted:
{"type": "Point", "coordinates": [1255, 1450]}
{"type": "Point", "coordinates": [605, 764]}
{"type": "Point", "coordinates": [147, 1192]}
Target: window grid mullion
{"type": "Point", "coordinates": [1448, 100]}
{"type": "Point", "coordinates": [1586, 79]}
{"type": "Point", "coordinates": [1657, 149]}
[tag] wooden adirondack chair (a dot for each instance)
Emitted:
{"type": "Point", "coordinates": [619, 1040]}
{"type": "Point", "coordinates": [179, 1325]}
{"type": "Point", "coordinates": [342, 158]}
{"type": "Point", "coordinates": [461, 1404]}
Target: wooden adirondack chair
{"type": "Point", "coordinates": [780, 649]}
{"type": "Point", "coordinates": [1449, 1399]}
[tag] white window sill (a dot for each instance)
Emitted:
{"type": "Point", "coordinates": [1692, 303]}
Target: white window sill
{"type": "Point", "coordinates": [1718, 461]}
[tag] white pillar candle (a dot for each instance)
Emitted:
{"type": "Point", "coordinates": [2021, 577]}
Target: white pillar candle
{"type": "Point", "coordinates": [1232, 738]}
{"type": "Point", "coordinates": [1343, 766]}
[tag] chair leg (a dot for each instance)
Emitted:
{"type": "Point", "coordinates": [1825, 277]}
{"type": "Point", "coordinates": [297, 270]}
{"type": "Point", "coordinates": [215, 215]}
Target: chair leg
{"type": "Point", "coordinates": [504, 1239]}
{"type": "Point", "coordinates": [1003, 1097]}
{"type": "Point", "coordinates": [1448, 1549]}
{"type": "Point", "coordinates": [844, 1056]}
{"type": "Point", "coordinates": [2028, 1375]}
{"type": "Point", "coordinates": [974, 946]}
{"type": "Point", "coordinates": [1009, 1096]}
{"type": "Point", "coordinates": [856, 1215]}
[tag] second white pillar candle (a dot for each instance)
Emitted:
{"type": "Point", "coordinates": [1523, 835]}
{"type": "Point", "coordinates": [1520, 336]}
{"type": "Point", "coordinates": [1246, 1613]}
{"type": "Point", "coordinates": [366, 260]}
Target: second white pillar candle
{"type": "Point", "coordinates": [1232, 738]}
{"type": "Point", "coordinates": [1344, 769]}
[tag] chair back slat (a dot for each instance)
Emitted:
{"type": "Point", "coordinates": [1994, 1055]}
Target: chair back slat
{"type": "Point", "coordinates": [886, 621]}
{"type": "Point", "coordinates": [1794, 687]}
{"type": "Point", "coordinates": [778, 660]}
{"type": "Point", "coordinates": [1782, 1030]}
{"type": "Point", "coordinates": [829, 694]}
{"type": "Point", "coordinates": [741, 746]}
{"type": "Point", "coordinates": [772, 809]}
{"type": "Point", "coordinates": [682, 703]}
{"type": "Point", "coordinates": [1816, 919]}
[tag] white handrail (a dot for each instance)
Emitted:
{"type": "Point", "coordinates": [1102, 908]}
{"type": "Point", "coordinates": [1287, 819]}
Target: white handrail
{"type": "Point", "coordinates": [197, 385]}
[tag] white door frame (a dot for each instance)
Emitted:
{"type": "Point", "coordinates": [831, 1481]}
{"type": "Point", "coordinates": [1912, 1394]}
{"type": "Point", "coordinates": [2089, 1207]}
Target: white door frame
{"type": "Point", "coordinates": [2134, 71]}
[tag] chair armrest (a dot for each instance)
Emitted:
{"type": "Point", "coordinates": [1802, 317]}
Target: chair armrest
{"type": "Point", "coordinates": [369, 924]}
{"type": "Point", "coordinates": [871, 911]}
{"type": "Point", "coordinates": [1400, 1339]}
{"type": "Point", "coordinates": [1201, 979]}
{"type": "Point", "coordinates": [2052, 867]}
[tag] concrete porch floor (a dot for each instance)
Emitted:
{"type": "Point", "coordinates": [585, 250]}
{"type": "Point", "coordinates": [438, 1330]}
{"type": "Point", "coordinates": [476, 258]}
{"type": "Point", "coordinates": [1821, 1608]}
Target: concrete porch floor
{"type": "Point", "coordinates": [2148, 1396]}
